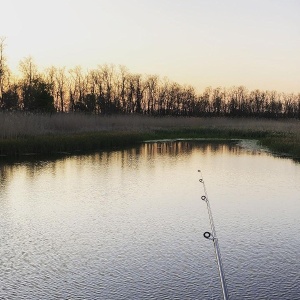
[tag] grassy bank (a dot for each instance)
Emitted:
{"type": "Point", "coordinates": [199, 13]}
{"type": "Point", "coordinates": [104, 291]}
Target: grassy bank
{"type": "Point", "coordinates": [63, 143]}
{"type": "Point", "coordinates": [25, 134]}
{"type": "Point", "coordinates": [283, 144]}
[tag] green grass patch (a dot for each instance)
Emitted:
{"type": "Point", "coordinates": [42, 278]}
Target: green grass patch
{"type": "Point", "coordinates": [283, 144]}
{"type": "Point", "coordinates": [211, 133]}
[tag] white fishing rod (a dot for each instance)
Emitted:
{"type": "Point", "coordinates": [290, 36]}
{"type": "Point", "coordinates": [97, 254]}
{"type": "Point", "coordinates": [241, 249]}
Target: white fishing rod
{"type": "Point", "coordinates": [213, 237]}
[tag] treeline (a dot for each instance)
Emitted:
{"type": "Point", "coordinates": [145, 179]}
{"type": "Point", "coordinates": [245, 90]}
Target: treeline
{"type": "Point", "coordinates": [110, 90]}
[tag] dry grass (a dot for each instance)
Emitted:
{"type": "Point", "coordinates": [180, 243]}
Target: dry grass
{"type": "Point", "coordinates": [14, 125]}
{"type": "Point", "coordinates": [22, 133]}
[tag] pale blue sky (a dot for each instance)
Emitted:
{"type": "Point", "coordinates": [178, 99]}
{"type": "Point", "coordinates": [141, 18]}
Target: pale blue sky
{"type": "Point", "coordinates": [255, 43]}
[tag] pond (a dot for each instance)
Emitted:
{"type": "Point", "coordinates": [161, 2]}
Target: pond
{"type": "Point", "coordinates": [129, 224]}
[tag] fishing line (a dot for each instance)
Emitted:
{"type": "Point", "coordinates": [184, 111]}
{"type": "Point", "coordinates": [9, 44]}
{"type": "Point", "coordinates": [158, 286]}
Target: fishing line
{"type": "Point", "coordinates": [213, 237]}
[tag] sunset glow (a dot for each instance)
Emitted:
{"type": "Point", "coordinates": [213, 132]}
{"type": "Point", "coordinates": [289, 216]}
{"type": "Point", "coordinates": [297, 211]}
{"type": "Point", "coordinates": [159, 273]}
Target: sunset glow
{"type": "Point", "coordinates": [203, 43]}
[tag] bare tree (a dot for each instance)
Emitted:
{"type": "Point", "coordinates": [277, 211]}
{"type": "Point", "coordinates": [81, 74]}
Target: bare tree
{"type": "Point", "coordinates": [107, 76]}
{"type": "Point", "coordinates": [152, 83]}
{"type": "Point", "coordinates": [298, 105]}
{"type": "Point", "coordinates": [49, 77]}
{"type": "Point", "coordinates": [122, 86]}
{"type": "Point", "coordinates": [3, 68]}
{"type": "Point", "coordinates": [29, 71]}
{"type": "Point", "coordinates": [139, 92]}
{"type": "Point", "coordinates": [61, 84]}
{"type": "Point", "coordinates": [77, 89]}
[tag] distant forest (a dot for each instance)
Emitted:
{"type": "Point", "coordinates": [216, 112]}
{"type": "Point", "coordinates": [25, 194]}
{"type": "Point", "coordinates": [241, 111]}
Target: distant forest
{"type": "Point", "coordinates": [114, 90]}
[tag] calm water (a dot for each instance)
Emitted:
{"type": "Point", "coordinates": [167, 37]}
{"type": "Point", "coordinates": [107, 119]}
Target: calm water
{"type": "Point", "coordinates": [129, 225]}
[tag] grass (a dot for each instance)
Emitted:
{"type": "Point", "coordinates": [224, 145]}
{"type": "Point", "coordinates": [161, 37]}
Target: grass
{"type": "Point", "coordinates": [56, 144]}
{"type": "Point", "coordinates": [284, 145]}
{"type": "Point", "coordinates": [24, 134]}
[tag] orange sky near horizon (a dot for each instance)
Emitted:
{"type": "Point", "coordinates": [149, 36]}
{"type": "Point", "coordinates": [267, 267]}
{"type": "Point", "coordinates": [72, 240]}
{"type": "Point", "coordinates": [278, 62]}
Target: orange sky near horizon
{"type": "Point", "coordinates": [199, 42]}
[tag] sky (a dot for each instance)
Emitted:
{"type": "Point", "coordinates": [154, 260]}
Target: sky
{"type": "Point", "coordinates": [254, 43]}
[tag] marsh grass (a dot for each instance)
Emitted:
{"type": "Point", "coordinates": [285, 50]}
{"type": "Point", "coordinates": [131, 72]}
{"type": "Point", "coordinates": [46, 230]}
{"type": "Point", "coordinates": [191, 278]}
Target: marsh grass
{"type": "Point", "coordinates": [64, 144]}
{"type": "Point", "coordinates": [18, 124]}
{"type": "Point", "coordinates": [27, 133]}
{"type": "Point", "coordinates": [284, 144]}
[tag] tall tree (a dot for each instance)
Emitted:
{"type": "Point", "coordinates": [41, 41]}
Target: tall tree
{"type": "Point", "coordinates": [36, 92]}
{"type": "Point", "coordinates": [152, 83]}
{"type": "Point", "coordinates": [61, 84]}
{"type": "Point", "coordinates": [3, 69]}
{"type": "Point", "coordinates": [78, 89]}
{"type": "Point", "coordinates": [29, 71]}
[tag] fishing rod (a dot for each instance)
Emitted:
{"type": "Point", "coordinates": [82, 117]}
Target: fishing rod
{"type": "Point", "coordinates": [213, 237]}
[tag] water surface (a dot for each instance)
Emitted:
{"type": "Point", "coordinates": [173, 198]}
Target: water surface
{"type": "Point", "coordinates": [129, 224]}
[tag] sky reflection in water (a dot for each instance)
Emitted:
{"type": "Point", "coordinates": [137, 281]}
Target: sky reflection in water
{"type": "Point", "coordinates": [129, 224]}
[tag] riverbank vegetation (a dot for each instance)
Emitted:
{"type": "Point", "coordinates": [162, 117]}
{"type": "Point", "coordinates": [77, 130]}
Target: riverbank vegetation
{"type": "Point", "coordinates": [28, 133]}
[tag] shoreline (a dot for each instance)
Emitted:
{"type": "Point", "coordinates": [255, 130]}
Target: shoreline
{"type": "Point", "coordinates": [74, 134]}
{"type": "Point", "coordinates": [80, 144]}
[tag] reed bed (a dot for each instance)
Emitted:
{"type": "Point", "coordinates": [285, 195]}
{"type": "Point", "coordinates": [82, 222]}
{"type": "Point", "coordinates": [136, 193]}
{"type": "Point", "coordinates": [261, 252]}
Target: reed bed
{"type": "Point", "coordinates": [23, 133]}
{"type": "Point", "coordinates": [19, 124]}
